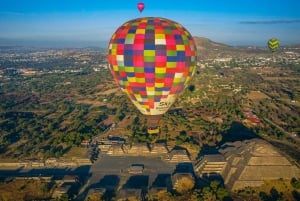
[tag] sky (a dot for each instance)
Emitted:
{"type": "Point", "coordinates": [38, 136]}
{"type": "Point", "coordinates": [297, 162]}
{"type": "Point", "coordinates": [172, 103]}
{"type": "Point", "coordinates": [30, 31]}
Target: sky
{"type": "Point", "coordinates": [76, 23]}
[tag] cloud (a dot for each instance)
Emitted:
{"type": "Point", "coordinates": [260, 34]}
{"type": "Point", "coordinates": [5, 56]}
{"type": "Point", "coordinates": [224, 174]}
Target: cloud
{"type": "Point", "coordinates": [271, 21]}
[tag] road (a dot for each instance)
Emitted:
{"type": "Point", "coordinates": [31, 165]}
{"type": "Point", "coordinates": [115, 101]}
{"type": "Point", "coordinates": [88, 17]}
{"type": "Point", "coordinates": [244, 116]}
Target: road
{"type": "Point", "coordinates": [292, 136]}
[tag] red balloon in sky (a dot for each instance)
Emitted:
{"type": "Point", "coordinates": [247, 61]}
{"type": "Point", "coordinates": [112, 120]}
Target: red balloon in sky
{"type": "Point", "coordinates": [141, 6]}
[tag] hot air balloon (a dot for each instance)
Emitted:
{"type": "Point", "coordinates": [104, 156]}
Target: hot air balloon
{"type": "Point", "coordinates": [273, 44]}
{"type": "Point", "coordinates": [140, 6]}
{"type": "Point", "coordinates": [153, 60]}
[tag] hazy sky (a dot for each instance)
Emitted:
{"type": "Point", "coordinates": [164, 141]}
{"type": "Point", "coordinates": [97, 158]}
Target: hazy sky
{"type": "Point", "coordinates": [92, 22]}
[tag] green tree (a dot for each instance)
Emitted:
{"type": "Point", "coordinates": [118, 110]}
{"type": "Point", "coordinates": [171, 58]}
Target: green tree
{"type": "Point", "coordinates": [185, 184]}
{"type": "Point", "coordinates": [64, 197]}
{"type": "Point", "coordinates": [222, 193]}
{"type": "Point", "coordinates": [45, 188]}
{"type": "Point", "coordinates": [208, 195]}
{"type": "Point", "coordinates": [295, 183]}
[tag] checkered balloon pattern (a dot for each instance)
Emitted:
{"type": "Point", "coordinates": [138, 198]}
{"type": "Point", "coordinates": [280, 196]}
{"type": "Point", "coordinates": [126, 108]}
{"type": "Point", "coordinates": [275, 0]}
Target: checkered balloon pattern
{"type": "Point", "coordinates": [153, 60]}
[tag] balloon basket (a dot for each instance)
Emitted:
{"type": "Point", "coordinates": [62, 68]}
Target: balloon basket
{"type": "Point", "coordinates": [153, 130]}
{"type": "Point", "coordinates": [153, 124]}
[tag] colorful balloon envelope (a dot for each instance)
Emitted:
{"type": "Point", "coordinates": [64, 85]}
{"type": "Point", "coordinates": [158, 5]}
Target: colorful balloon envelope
{"type": "Point", "coordinates": [140, 6]}
{"type": "Point", "coordinates": [153, 60]}
{"type": "Point", "coordinates": [273, 44]}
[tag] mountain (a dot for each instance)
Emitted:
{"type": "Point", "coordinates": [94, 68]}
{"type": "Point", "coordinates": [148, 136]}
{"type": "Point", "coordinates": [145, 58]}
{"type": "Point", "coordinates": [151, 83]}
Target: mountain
{"type": "Point", "coordinates": [208, 49]}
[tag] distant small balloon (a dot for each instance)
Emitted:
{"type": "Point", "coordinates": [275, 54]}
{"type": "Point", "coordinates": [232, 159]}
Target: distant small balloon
{"type": "Point", "coordinates": [273, 44]}
{"type": "Point", "coordinates": [141, 6]}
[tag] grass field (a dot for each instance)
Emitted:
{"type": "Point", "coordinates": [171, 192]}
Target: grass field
{"type": "Point", "coordinates": [76, 152]}
{"type": "Point", "coordinates": [271, 190]}
{"type": "Point", "coordinates": [21, 189]}
{"type": "Point", "coordinates": [254, 95]}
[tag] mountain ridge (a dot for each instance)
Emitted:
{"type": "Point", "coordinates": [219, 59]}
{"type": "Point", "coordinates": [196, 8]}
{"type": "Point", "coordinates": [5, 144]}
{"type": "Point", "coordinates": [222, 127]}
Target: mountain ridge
{"type": "Point", "coordinates": [207, 48]}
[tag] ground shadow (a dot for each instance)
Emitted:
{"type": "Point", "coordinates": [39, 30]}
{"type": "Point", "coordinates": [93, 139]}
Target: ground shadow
{"type": "Point", "coordinates": [238, 132]}
{"type": "Point", "coordinates": [109, 182]}
{"type": "Point", "coordinates": [184, 168]}
{"type": "Point", "coordinates": [137, 182]}
{"type": "Point", "coordinates": [162, 181]}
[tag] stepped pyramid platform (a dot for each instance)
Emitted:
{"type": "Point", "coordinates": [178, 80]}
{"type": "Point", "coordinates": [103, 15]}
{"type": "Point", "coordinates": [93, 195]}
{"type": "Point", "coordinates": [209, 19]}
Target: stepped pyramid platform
{"type": "Point", "coordinates": [250, 162]}
{"type": "Point", "coordinates": [138, 149]}
{"type": "Point", "coordinates": [211, 164]}
{"type": "Point", "coordinates": [115, 149]}
{"type": "Point", "coordinates": [178, 156]}
{"type": "Point", "coordinates": [159, 148]}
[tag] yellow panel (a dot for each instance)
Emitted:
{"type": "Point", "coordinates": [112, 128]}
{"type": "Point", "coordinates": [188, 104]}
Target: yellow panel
{"type": "Point", "coordinates": [177, 80]}
{"type": "Point", "coordinates": [138, 96]}
{"type": "Point", "coordinates": [115, 68]}
{"type": "Point", "coordinates": [160, 70]}
{"type": "Point", "coordinates": [180, 47]}
{"type": "Point", "coordinates": [131, 79]}
{"type": "Point", "coordinates": [129, 69]}
{"type": "Point", "coordinates": [171, 64]}
{"type": "Point", "coordinates": [159, 84]}
{"type": "Point", "coordinates": [113, 51]}
{"type": "Point", "coordinates": [140, 31]}
{"type": "Point", "coordinates": [149, 53]}
{"type": "Point", "coordinates": [140, 80]}
{"type": "Point", "coordinates": [159, 36]}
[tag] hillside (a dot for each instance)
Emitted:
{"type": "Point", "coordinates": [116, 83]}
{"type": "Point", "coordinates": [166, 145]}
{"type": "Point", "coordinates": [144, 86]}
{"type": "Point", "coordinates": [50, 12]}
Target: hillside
{"type": "Point", "coordinates": [208, 49]}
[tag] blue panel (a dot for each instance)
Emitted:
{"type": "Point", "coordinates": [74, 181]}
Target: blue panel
{"type": "Point", "coordinates": [157, 98]}
{"type": "Point", "coordinates": [129, 74]}
{"type": "Point", "coordinates": [132, 30]}
{"type": "Point", "coordinates": [159, 89]}
{"type": "Point", "coordinates": [181, 54]}
{"type": "Point", "coordinates": [149, 70]}
{"type": "Point", "coordinates": [149, 47]}
{"type": "Point", "coordinates": [128, 52]}
{"type": "Point", "coordinates": [172, 59]}
{"type": "Point", "coordinates": [128, 63]}
{"type": "Point", "coordinates": [121, 40]}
